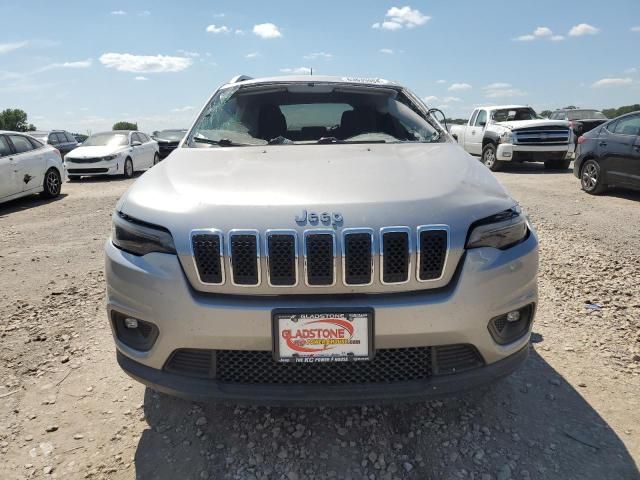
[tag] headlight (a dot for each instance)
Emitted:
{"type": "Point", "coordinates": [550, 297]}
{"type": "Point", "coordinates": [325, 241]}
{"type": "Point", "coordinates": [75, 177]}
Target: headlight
{"type": "Point", "coordinates": [138, 237]}
{"type": "Point", "coordinates": [506, 137]}
{"type": "Point", "coordinates": [110, 157]}
{"type": "Point", "coordinates": [501, 231]}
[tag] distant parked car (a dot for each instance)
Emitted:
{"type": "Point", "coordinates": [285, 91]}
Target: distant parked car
{"type": "Point", "coordinates": [59, 139]}
{"type": "Point", "coordinates": [168, 140]}
{"type": "Point", "coordinates": [28, 166]}
{"type": "Point", "coordinates": [581, 120]}
{"type": "Point", "coordinates": [120, 152]}
{"type": "Point", "coordinates": [609, 155]}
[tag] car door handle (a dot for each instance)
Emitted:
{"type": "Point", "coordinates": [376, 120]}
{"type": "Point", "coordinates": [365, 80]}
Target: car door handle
{"type": "Point", "coordinates": [602, 144]}
{"type": "Point", "coordinates": [473, 132]}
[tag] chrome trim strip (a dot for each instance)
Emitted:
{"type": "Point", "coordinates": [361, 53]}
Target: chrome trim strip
{"type": "Point", "coordinates": [349, 231]}
{"type": "Point", "coordinates": [410, 248]}
{"type": "Point", "coordinates": [208, 231]}
{"type": "Point", "coordinates": [294, 234]}
{"type": "Point", "coordinates": [424, 228]}
{"type": "Point", "coordinates": [256, 234]}
{"type": "Point", "coordinates": [305, 234]}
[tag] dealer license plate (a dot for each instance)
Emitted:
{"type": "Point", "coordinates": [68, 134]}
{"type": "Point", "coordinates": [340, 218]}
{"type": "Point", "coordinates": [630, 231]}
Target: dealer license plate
{"type": "Point", "coordinates": [331, 336]}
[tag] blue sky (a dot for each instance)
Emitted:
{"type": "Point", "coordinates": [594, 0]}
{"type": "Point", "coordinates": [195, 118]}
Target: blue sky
{"type": "Point", "coordinates": [82, 65]}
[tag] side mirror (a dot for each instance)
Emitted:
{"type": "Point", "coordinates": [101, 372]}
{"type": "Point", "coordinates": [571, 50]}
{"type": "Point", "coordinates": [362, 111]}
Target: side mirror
{"type": "Point", "coordinates": [136, 143]}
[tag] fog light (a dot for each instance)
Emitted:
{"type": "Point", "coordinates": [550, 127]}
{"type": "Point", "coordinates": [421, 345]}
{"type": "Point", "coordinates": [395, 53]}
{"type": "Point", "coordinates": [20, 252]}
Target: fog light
{"type": "Point", "coordinates": [133, 323]}
{"type": "Point", "coordinates": [511, 326]}
{"type": "Point", "coordinates": [511, 316]}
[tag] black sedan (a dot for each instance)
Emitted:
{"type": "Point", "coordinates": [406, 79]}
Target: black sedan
{"type": "Point", "coordinates": [168, 140]}
{"type": "Point", "coordinates": [609, 155]}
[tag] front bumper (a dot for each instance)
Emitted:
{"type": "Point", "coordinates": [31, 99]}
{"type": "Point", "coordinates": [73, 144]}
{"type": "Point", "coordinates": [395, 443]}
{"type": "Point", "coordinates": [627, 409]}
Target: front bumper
{"type": "Point", "coordinates": [508, 152]}
{"type": "Point", "coordinates": [105, 167]}
{"type": "Point", "coordinates": [199, 389]}
{"type": "Point", "coordinates": [154, 288]}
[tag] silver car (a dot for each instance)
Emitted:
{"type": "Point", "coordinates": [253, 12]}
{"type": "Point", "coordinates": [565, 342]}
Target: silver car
{"type": "Point", "coordinates": [319, 240]}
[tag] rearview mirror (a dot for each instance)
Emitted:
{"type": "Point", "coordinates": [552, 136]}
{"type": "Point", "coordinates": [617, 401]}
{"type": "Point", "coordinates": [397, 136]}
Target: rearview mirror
{"type": "Point", "coordinates": [136, 143]}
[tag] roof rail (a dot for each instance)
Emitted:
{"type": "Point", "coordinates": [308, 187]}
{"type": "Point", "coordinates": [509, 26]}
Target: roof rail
{"type": "Point", "coordinates": [240, 78]}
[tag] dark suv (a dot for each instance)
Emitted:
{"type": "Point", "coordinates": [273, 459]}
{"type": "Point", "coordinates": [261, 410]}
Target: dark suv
{"type": "Point", "coordinates": [59, 139]}
{"type": "Point", "coordinates": [581, 120]}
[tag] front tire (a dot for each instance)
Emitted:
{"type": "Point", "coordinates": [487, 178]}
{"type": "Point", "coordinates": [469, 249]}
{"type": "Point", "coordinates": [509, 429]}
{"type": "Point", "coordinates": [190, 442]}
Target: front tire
{"type": "Point", "coordinates": [591, 178]}
{"type": "Point", "coordinates": [52, 183]}
{"type": "Point", "coordinates": [489, 158]}
{"type": "Point", "coordinates": [156, 158]}
{"type": "Point", "coordinates": [557, 164]}
{"type": "Point", "coordinates": [128, 168]}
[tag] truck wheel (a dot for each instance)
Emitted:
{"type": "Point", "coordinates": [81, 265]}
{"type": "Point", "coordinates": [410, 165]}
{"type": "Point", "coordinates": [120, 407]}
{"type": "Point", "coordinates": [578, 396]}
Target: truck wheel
{"type": "Point", "coordinates": [557, 164]}
{"type": "Point", "coordinates": [591, 178]}
{"type": "Point", "coordinates": [489, 158]}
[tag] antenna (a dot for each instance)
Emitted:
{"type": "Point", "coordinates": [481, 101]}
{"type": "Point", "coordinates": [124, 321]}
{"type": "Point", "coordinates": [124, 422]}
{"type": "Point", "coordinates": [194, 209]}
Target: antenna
{"type": "Point", "coordinates": [311, 71]}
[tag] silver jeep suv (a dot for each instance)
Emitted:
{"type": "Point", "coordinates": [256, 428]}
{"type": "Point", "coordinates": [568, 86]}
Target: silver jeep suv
{"type": "Point", "coordinates": [319, 240]}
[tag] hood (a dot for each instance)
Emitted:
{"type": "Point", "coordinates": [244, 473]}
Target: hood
{"type": "Point", "coordinates": [263, 188]}
{"type": "Point", "coordinates": [91, 152]}
{"type": "Point", "coordinates": [514, 125]}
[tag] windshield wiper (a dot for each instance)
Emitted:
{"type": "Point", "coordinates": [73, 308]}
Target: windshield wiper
{"type": "Point", "coordinates": [223, 142]}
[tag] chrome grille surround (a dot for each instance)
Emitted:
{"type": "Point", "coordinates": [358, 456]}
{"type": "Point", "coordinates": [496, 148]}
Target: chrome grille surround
{"type": "Point", "coordinates": [542, 136]}
{"type": "Point", "coordinates": [404, 249]}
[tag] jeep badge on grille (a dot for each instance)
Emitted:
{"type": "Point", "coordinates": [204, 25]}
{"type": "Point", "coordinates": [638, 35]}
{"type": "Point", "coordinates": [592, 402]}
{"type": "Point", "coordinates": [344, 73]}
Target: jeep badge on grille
{"type": "Point", "coordinates": [325, 218]}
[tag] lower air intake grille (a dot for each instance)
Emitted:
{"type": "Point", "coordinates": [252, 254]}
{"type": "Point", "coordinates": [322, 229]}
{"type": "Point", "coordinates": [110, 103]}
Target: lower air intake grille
{"type": "Point", "coordinates": [388, 366]}
{"type": "Point", "coordinates": [206, 249]}
{"type": "Point", "coordinates": [282, 259]}
{"type": "Point", "coordinates": [455, 358]}
{"type": "Point", "coordinates": [244, 258]}
{"type": "Point", "coordinates": [357, 252]}
{"type": "Point", "coordinates": [320, 255]}
{"type": "Point", "coordinates": [395, 259]}
{"type": "Point", "coordinates": [433, 252]}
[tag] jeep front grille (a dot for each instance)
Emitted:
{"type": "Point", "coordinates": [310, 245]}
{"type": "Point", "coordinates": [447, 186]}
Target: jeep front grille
{"type": "Point", "coordinates": [366, 256]}
{"type": "Point", "coordinates": [390, 365]}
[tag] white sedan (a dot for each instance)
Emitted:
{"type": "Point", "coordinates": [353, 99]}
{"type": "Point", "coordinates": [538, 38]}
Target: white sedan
{"type": "Point", "coordinates": [118, 152]}
{"type": "Point", "coordinates": [28, 166]}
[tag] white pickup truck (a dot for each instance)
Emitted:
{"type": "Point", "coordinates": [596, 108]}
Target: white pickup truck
{"type": "Point", "coordinates": [515, 133]}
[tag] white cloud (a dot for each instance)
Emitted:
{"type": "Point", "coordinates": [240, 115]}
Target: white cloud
{"type": "Point", "coordinates": [539, 32]}
{"type": "Point", "coordinates": [493, 86]}
{"type": "Point", "coordinates": [218, 29]}
{"type": "Point", "coordinates": [239, 32]}
{"type": "Point", "coordinates": [144, 13]}
{"type": "Point", "coordinates": [316, 55]}
{"type": "Point", "coordinates": [188, 53]}
{"type": "Point", "coordinates": [429, 99]}
{"type": "Point", "coordinates": [183, 109]}
{"type": "Point", "coordinates": [252, 55]}
{"type": "Point", "coordinates": [78, 64]}
{"type": "Point", "coordinates": [441, 81]}
{"type": "Point", "coordinates": [502, 90]}
{"type": "Point", "coordinates": [451, 99]}
{"type": "Point", "coordinates": [10, 47]}
{"type": "Point", "coordinates": [140, 78]}
{"type": "Point", "coordinates": [583, 29]}
{"type": "Point", "coordinates": [612, 82]}
{"type": "Point", "coordinates": [219, 15]}
{"type": "Point", "coordinates": [542, 32]}
{"type": "Point", "coordinates": [118, 12]}
{"type": "Point", "coordinates": [126, 62]}
{"type": "Point", "coordinates": [402, 17]}
{"type": "Point", "coordinates": [459, 86]}
{"type": "Point", "coordinates": [631, 70]}
{"type": "Point", "coordinates": [267, 30]}
{"type": "Point", "coordinates": [635, 29]}
{"type": "Point", "coordinates": [297, 71]}
{"type": "Point", "coordinates": [387, 51]}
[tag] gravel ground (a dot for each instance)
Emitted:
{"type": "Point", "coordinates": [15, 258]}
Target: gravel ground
{"type": "Point", "coordinates": [572, 412]}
